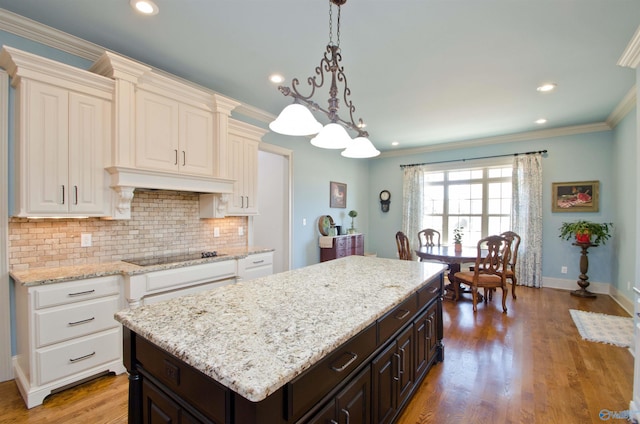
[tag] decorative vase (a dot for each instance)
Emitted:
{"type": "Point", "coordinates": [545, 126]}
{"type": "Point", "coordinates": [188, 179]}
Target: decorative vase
{"type": "Point", "coordinates": [458, 247]}
{"type": "Point", "coordinates": [583, 238]}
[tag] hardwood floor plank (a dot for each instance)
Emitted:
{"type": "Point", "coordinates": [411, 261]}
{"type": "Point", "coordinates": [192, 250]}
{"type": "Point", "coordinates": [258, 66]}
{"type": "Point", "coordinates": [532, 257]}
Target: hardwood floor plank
{"type": "Point", "coordinates": [528, 366]}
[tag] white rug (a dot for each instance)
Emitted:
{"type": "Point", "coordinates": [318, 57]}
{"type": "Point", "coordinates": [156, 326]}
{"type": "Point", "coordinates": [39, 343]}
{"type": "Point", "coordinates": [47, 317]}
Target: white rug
{"type": "Point", "coordinates": [604, 328]}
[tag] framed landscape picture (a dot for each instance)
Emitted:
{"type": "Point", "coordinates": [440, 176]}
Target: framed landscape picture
{"type": "Point", "coordinates": [580, 196]}
{"type": "Point", "coordinates": [337, 195]}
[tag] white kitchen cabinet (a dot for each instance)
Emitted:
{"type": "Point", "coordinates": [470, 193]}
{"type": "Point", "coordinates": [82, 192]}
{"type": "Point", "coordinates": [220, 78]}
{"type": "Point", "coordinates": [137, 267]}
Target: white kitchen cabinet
{"type": "Point", "coordinates": [255, 265]}
{"type": "Point", "coordinates": [63, 132]}
{"type": "Point", "coordinates": [242, 148]}
{"type": "Point", "coordinates": [173, 136]}
{"type": "Point", "coordinates": [65, 334]}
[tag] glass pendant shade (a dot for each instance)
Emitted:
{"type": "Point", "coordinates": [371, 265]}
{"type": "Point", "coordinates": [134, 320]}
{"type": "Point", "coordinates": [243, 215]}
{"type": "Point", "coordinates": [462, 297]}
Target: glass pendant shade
{"type": "Point", "coordinates": [295, 119]}
{"type": "Point", "coordinates": [332, 136]}
{"type": "Point", "coordinates": [360, 147]}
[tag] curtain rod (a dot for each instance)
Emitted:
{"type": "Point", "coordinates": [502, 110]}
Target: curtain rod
{"type": "Point", "coordinates": [483, 157]}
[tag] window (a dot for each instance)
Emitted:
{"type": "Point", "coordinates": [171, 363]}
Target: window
{"type": "Point", "coordinates": [475, 198]}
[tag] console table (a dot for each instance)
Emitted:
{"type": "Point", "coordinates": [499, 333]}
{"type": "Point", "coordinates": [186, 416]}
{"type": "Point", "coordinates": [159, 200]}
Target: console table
{"type": "Point", "coordinates": [341, 246]}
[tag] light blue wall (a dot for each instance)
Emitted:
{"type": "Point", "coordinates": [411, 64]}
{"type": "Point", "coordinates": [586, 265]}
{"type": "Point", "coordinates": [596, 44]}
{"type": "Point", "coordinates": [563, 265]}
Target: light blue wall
{"type": "Point", "coordinates": [570, 158]}
{"type": "Point", "coordinates": [626, 176]}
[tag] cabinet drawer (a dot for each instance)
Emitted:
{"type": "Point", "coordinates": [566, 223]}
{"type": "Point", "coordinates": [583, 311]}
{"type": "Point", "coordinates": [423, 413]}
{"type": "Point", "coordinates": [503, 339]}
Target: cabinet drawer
{"type": "Point", "coordinates": [256, 261]}
{"type": "Point", "coordinates": [187, 276]}
{"type": "Point", "coordinates": [306, 390]}
{"type": "Point", "coordinates": [205, 394]}
{"type": "Point", "coordinates": [429, 292]}
{"type": "Point", "coordinates": [75, 291]}
{"type": "Point", "coordinates": [77, 356]}
{"type": "Point", "coordinates": [396, 318]}
{"type": "Point", "coordinates": [58, 324]}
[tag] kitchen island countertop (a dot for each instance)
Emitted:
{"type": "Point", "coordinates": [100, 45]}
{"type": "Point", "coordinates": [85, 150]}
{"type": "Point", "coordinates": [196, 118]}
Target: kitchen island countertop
{"type": "Point", "coordinates": [49, 275]}
{"type": "Point", "coordinates": [255, 336]}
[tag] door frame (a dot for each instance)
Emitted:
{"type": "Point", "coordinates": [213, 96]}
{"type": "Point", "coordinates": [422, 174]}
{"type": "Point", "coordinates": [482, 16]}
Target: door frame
{"type": "Point", "coordinates": [6, 369]}
{"type": "Point", "coordinates": [287, 154]}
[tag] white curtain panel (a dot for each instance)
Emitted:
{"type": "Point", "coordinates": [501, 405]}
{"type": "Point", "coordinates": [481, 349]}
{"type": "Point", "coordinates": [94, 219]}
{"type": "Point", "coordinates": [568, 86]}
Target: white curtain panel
{"type": "Point", "coordinates": [526, 215]}
{"type": "Point", "coordinates": [413, 203]}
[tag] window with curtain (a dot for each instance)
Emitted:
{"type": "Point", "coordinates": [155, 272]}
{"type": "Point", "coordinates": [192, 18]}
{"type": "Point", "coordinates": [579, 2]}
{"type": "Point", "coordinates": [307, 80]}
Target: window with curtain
{"type": "Point", "coordinates": [476, 198]}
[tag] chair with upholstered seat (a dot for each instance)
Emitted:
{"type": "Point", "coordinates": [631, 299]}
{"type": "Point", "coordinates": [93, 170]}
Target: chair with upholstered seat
{"type": "Point", "coordinates": [489, 271]}
{"type": "Point", "coordinates": [511, 269]}
{"type": "Point", "coordinates": [428, 237]}
{"type": "Point", "coordinates": [404, 251]}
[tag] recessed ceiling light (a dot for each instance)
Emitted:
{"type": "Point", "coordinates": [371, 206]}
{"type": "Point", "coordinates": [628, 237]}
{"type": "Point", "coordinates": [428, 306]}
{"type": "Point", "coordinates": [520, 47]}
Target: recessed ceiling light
{"type": "Point", "coordinates": [146, 7]}
{"type": "Point", "coordinates": [547, 87]}
{"type": "Point", "coordinates": [276, 78]}
{"type": "Point", "coordinates": [541, 121]}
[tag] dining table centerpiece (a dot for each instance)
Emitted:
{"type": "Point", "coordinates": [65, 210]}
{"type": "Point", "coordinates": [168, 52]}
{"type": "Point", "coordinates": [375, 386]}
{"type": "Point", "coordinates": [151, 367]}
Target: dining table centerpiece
{"type": "Point", "coordinates": [457, 238]}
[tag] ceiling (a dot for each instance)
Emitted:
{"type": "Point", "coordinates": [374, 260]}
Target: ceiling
{"type": "Point", "coordinates": [421, 72]}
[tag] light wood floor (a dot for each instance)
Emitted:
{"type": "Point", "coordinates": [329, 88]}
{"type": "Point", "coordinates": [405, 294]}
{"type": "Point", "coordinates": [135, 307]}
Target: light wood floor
{"type": "Point", "coordinates": [528, 366]}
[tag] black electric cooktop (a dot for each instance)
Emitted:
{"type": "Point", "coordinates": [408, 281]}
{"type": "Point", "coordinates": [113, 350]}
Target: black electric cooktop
{"type": "Point", "coordinates": [162, 260]}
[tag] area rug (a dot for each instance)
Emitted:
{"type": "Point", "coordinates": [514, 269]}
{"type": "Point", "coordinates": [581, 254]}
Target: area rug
{"type": "Point", "coordinates": [604, 328]}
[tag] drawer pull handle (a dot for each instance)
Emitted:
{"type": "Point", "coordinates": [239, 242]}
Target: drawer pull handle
{"type": "Point", "coordinates": [258, 262]}
{"type": "Point", "coordinates": [82, 357]}
{"type": "Point", "coordinates": [84, 321]}
{"type": "Point", "coordinates": [434, 289]}
{"type": "Point", "coordinates": [354, 356]}
{"type": "Point", "coordinates": [404, 314]}
{"type": "Point", "coordinates": [82, 293]}
{"type": "Point", "coordinates": [346, 413]}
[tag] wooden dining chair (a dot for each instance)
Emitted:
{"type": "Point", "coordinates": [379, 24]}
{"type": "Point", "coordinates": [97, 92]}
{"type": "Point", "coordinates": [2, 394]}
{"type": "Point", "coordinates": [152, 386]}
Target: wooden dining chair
{"type": "Point", "coordinates": [404, 251]}
{"type": "Point", "coordinates": [428, 237]}
{"type": "Point", "coordinates": [513, 258]}
{"type": "Point", "coordinates": [489, 271]}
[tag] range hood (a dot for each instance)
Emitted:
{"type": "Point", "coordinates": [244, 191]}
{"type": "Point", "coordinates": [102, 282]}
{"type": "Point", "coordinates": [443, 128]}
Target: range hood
{"type": "Point", "coordinates": [125, 180]}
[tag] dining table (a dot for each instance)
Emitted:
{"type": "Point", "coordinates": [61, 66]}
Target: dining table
{"type": "Point", "coordinates": [454, 258]}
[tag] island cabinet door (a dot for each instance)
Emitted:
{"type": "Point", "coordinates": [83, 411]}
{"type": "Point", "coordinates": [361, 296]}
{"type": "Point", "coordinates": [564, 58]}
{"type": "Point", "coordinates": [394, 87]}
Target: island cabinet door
{"type": "Point", "coordinates": [351, 405]}
{"type": "Point", "coordinates": [426, 339]}
{"type": "Point", "coordinates": [158, 408]}
{"type": "Point", "coordinates": [393, 377]}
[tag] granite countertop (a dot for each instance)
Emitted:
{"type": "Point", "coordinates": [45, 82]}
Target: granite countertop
{"type": "Point", "coordinates": [255, 336]}
{"type": "Point", "coordinates": [39, 276]}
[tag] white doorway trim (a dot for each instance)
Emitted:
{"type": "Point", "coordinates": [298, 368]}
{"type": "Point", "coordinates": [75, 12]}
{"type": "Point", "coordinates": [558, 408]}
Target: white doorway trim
{"type": "Point", "coordinates": [288, 155]}
{"type": "Point", "coordinates": [6, 370]}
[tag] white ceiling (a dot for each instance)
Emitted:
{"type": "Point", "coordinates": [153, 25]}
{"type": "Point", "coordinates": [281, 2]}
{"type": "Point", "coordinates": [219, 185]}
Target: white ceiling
{"type": "Point", "coordinates": [421, 72]}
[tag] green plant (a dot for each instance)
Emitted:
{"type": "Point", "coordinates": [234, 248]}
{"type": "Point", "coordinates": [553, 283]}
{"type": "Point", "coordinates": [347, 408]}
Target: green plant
{"type": "Point", "coordinates": [598, 232]}
{"type": "Point", "coordinates": [457, 235]}
{"type": "Point", "coordinates": [352, 214]}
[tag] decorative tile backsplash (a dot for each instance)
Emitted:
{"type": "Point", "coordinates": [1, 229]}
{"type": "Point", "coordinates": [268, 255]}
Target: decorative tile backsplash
{"type": "Point", "coordinates": [162, 222]}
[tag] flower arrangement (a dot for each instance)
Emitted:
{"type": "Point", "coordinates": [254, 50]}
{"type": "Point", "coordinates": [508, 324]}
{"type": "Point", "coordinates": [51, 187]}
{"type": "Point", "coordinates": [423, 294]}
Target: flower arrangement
{"type": "Point", "coordinates": [586, 231]}
{"type": "Point", "coordinates": [352, 214]}
{"type": "Point", "coordinates": [457, 235]}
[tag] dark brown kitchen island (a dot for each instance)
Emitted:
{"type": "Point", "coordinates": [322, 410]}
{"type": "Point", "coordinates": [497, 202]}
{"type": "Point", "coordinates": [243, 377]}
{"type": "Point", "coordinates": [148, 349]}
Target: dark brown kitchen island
{"type": "Point", "coordinates": [349, 339]}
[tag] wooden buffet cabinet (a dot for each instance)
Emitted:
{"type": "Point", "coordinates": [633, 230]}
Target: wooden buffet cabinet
{"type": "Point", "coordinates": [347, 245]}
{"type": "Point", "coordinates": [367, 379]}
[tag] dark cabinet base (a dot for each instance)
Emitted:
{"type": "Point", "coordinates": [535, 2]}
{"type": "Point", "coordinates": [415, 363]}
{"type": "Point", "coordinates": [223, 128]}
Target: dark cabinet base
{"type": "Point", "coordinates": [343, 246]}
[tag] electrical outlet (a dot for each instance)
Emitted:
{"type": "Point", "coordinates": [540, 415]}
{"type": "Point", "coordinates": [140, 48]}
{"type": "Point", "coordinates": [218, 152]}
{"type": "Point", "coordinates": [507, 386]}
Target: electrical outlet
{"type": "Point", "coordinates": [240, 231]}
{"type": "Point", "coordinates": [85, 240]}
{"type": "Point", "coordinates": [304, 221]}
{"type": "Point", "coordinates": [628, 285]}
{"type": "Point", "coordinates": [563, 270]}
{"type": "Point", "coordinates": [216, 232]}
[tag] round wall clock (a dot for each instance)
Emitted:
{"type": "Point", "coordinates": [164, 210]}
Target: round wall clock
{"type": "Point", "coordinates": [385, 200]}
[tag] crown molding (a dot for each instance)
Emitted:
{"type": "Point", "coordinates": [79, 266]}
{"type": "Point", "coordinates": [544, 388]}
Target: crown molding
{"type": "Point", "coordinates": [631, 55]}
{"type": "Point", "coordinates": [507, 138]}
{"type": "Point", "coordinates": [625, 106]}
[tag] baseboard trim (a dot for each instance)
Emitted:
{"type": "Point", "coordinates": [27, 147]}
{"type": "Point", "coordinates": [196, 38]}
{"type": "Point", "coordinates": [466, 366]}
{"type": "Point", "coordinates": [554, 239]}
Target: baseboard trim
{"type": "Point", "coordinates": [594, 287]}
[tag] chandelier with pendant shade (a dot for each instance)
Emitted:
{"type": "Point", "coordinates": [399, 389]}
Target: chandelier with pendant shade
{"type": "Point", "coordinates": [297, 119]}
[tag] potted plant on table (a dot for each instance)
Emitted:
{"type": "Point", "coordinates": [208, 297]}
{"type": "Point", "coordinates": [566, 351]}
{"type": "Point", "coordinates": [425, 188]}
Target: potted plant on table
{"type": "Point", "coordinates": [457, 238]}
{"type": "Point", "coordinates": [352, 214]}
{"type": "Point", "coordinates": [586, 231]}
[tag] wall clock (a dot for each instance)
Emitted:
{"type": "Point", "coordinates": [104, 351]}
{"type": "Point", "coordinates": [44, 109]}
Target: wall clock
{"type": "Point", "coordinates": [385, 200]}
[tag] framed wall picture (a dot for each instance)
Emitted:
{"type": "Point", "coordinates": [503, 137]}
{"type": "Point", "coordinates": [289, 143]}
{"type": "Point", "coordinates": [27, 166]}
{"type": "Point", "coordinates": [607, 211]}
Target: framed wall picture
{"type": "Point", "coordinates": [579, 196]}
{"type": "Point", "coordinates": [337, 195]}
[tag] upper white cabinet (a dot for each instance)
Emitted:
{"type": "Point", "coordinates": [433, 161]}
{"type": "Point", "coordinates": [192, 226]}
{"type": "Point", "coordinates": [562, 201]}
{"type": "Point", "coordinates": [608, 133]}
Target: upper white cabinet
{"type": "Point", "coordinates": [63, 131]}
{"type": "Point", "coordinates": [173, 136]}
{"type": "Point", "coordinates": [242, 145]}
